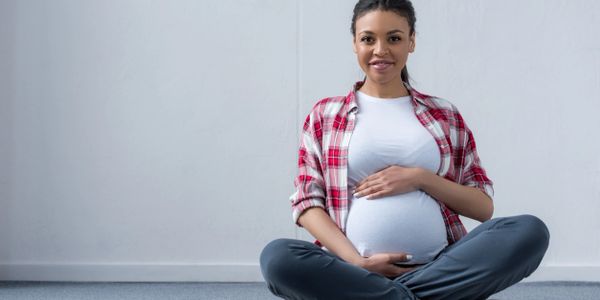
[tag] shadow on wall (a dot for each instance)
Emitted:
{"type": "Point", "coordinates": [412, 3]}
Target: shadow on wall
{"type": "Point", "coordinates": [8, 11]}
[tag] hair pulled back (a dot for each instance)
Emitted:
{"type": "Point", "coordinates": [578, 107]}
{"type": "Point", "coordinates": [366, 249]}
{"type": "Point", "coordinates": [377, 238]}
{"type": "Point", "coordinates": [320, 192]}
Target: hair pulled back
{"type": "Point", "coordinates": [404, 8]}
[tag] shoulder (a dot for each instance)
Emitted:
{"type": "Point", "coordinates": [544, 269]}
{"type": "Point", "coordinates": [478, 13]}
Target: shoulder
{"type": "Point", "coordinates": [435, 102]}
{"type": "Point", "coordinates": [442, 103]}
{"type": "Point", "coordinates": [438, 105]}
{"type": "Point", "coordinates": [329, 106]}
{"type": "Point", "coordinates": [322, 112]}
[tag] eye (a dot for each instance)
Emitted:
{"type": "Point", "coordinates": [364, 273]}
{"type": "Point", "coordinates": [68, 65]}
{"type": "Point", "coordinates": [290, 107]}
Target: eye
{"type": "Point", "coordinates": [366, 39]}
{"type": "Point", "coordinates": [395, 38]}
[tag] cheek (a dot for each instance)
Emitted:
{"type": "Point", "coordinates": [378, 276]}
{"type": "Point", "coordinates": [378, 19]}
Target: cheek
{"type": "Point", "coordinates": [402, 56]}
{"type": "Point", "coordinates": [363, 57]}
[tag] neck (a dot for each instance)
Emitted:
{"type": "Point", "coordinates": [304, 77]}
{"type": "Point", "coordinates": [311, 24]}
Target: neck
{"type": "Point", "coordinates": [392, 89]}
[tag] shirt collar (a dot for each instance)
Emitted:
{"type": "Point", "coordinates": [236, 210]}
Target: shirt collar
{"type": "Point", "coordinates": [415, 95]}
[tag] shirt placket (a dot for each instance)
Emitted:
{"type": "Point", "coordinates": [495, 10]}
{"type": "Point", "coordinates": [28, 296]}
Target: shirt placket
{"type": "Point", "coordinates": [437, 132]}
{"type": "Point", "coordinates": [345, 143]}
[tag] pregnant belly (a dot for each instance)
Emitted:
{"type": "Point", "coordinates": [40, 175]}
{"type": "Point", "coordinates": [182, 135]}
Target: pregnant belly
{"type": "Point", "coordinates": [410, 222]}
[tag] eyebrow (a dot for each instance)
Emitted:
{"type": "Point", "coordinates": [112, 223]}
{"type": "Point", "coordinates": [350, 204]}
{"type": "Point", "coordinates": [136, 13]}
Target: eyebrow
{"type": "Point", "coordinates": [389, 32]}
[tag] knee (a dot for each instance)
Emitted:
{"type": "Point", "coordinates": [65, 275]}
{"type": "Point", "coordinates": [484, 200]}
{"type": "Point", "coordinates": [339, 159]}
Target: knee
{"type": "Point", "coordinates": [273, 258]}
{"type": "Point", "coordinates": [533, 233]}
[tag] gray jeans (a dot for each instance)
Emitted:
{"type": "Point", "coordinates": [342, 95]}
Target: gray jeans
{"type": "Point", "coordinates": [495, 255]}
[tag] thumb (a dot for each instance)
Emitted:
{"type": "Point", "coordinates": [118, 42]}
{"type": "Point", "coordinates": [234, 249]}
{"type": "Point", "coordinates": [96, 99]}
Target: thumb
{"type": "Point", "coordinates": [400, 257]}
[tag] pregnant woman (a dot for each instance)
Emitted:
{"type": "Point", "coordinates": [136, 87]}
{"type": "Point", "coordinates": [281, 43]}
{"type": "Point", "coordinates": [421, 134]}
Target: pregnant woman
{"type": "Point", "coordinates": [384, 174]}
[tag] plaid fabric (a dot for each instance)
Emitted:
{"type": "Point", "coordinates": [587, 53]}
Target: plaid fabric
{"type": "Point", "coordinates": [323, 156]}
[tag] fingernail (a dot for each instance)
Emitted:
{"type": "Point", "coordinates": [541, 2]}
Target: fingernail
{"type": "Point", "coordinates": [409, 257]}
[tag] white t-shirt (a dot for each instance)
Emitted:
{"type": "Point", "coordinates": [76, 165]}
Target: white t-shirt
{"type": "Point", "coordinates": [387, 132]}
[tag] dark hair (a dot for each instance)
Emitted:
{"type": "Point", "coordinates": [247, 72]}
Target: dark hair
{"type": "Point", "coordinates": [403, 8]}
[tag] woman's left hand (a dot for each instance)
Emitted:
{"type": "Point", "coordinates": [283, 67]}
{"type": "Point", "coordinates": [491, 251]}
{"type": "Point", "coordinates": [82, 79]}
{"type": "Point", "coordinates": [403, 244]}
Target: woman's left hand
{"type": "Point", "coordinates": [389, 181]}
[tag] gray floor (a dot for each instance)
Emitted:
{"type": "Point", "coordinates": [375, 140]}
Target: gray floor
{"type": "Point", "coordinates": [248, 291]}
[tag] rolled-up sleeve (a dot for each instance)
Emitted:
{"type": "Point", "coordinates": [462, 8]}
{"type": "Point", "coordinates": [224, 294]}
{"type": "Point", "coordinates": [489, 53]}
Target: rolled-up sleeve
{"type": "Point", "coordinates": [473, 173]}
{"type": "Point", "coordinates": [309, 184]}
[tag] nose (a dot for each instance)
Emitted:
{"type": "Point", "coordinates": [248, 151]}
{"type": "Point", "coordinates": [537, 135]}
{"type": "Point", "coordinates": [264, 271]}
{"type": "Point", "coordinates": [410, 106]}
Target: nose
{"type": "Point", "coordinates": [380, 49]}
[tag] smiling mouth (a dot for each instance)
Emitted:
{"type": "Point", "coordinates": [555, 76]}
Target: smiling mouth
{"type": "Point", "coordinates": [381, 65]}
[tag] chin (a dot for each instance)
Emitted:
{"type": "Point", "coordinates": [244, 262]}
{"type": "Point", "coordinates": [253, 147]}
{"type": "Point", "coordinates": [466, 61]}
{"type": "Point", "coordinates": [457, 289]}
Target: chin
{"type": "Point", "coordinates": [381, 79]}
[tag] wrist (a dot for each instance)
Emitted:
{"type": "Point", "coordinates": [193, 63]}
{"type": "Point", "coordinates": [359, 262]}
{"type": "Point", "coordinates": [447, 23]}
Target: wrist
{"type": "Point", "coordinates": [358, 261]}
{"type": "Point", "coordinates": [421, 178]}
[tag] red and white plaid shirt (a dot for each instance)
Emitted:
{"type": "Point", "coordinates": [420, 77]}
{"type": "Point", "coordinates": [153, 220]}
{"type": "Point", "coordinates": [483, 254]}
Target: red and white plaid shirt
{"type": "Point", "coordinates": [322, 178]}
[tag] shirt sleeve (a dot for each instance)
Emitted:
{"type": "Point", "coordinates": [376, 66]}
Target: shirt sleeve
{"type": "Point", "coordinates": [309, 183]}
{"type": "Point", "coordinates": [473, 173]}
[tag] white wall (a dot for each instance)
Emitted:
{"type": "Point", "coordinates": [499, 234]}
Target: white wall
{"type": "Point", "coordinates": [156, 141]}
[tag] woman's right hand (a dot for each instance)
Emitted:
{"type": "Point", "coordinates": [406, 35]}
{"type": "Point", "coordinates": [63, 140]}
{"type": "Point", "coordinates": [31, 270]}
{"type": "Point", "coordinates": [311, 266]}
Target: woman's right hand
{"type": "Point", "coordinates": [384, 264]}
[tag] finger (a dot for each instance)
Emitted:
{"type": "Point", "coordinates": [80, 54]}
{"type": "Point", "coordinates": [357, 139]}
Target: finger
{"type": "Point", "coordinates": [362, 192]}
{"type": "Point", "coordinates": [400, 257]}
{"type": "Point", "coordinates": [368, 191]}
{"type": "Point", "coordinates": [377, 195]}
{"type": "Point", "coordinates": [363, 184]}
{"type": "Point", "coordinates": [403, 268]}
{"type": "Point", "coordinates": [359, 184]}
{"type": "Point", "coordinates": [369, 178]}
{"type": "Point", "coordinates": [374, 188]}
{"type": "Point", "coordinates": [359, 187]}
{"type": "Point", "coordinates": [399, 271]}
{"type": "Point", "coordinates": [373, 182]}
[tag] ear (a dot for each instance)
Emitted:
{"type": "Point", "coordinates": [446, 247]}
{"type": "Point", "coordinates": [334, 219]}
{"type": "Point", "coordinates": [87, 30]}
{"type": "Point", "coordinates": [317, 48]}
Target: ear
{"type": "Point", "coordinates": [354, 45]}
{"type": "Point", "coordinates": [412, 43]}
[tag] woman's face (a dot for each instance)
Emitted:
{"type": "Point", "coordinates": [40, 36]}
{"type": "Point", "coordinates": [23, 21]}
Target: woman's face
{"type": "Point", "coordinates": [382, 43]}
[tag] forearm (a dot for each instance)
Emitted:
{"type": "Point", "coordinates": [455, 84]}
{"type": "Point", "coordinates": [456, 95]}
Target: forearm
{"type": "Point", "coordinates": [464, 200]}
{"type": "Point", "coordinates": [322, 227]}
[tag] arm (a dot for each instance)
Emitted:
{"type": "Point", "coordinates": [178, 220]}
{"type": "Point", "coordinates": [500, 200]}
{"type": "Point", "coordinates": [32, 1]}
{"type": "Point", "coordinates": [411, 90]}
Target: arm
{"type": "Point", "coordinates": [322, 227]}
{"type": "Point", "coordinates": [465, 200]}
{"type": "Point", "coordinates": [308, 202]}
{"type": "Point", "coordinates": [472, 195]}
